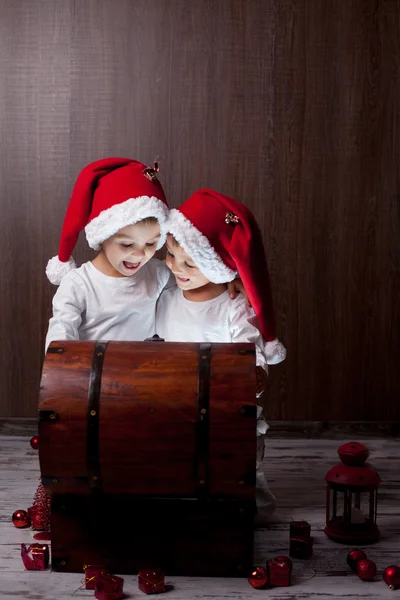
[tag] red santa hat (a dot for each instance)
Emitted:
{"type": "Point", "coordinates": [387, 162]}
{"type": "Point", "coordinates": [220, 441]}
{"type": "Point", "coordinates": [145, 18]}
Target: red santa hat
{"type": "Point", "coordinates": [108, 195]}
{"type": "Point", "coordinates": [223, 239]}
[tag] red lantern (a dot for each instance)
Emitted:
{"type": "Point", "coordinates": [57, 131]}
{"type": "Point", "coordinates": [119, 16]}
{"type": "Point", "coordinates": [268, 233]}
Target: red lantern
{"type": "Point", "coordinates": [351, 499]}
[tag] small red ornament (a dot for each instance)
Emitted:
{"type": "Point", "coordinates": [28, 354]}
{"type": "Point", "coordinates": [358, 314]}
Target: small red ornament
{"type": "Point", "coordinates": [391, 576]}
{"type": "Point", "coordinates": [91, 572]}
{"type": "Point", "coordinates": [20, 519]}
{"type": "Point", "coordinates": [279, 572]}
{"type": "Point", "coordinates": [35, 557]}
{"type": "Point", "coordinates": [354, 556]}
{"type": "Point", "coordinates": [366, 569]}
{"type": "Point", "coordinates": [151, 581]}
{"type": "Point", "coordinates": [284, 560]}
{"type": "Point", "coordinates": [258, 578]}
{"type": "Point", "coordinates": [35, 442]}
{"type": "Point", "coordinates": [108, 587]}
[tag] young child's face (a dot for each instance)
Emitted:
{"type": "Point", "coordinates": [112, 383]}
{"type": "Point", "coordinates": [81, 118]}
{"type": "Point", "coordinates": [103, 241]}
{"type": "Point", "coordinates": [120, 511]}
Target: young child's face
{"type": "Point", "coordinates": [187, 275]}
{"type": "Point", "coordinates": [132, 247]}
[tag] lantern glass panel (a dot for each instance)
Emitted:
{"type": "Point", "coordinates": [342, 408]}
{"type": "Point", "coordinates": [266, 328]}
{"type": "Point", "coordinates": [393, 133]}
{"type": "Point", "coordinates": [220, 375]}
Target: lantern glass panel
{"type": "Point", "coordinates": [336, 504]}
{"type": "Point", "coordinates": [360, 507]}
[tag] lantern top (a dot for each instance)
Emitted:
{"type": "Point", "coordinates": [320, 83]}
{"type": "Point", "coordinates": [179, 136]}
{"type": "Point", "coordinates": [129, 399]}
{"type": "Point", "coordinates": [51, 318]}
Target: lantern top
{"type": "Point", "coordinates": [353, 471]}
{"type": "Point", "coordinates": [353, 453]}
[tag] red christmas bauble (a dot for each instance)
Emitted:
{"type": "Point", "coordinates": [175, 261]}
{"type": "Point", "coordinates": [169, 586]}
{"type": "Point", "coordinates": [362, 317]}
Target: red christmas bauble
{"type": "Point", "coordinates": [366, 569]}
{"type": "Point", "coordinates": [258, 578]}
{"type": "Point", "coordinates": [391, 576]}
{"type": "Point", "coordinates": [20, 519]}
{"type": "Point", "coordinates": [284, 560]}
{"type": "Point", "coordinates": [35, 442]}
{"type": "Point", "coordinates": [354, 556]}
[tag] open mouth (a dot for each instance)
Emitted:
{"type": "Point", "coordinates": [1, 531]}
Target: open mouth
{"type": "Point", "coordinates": [131, 265]}
{"type": "Point", "coordinates": [182, 279]}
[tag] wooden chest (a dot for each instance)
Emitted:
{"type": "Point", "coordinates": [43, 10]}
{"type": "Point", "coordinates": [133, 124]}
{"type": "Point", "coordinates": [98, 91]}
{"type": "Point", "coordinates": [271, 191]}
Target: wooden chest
{"type": "Point", "coordinates": [183, 537]}
{"type": "Point", "coordinates": [148, 418]}
{"type": "Point", "coordinates": [148, 450]}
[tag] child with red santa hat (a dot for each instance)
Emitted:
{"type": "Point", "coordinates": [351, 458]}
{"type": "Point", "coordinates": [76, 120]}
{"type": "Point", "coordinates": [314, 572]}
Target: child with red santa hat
{"type": "Point", "coordinates": [121, 204]}
{"type": "Point", "coordinates": [211, 240]}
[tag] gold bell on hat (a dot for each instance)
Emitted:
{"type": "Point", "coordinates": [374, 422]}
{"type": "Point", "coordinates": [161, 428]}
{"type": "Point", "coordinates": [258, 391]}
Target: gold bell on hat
{"type": "Point", "coordinates": [151, 172]}
{"type": "Point", "coordinates": [231, 218]}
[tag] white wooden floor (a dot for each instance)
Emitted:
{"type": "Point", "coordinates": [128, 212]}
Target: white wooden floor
{"type": "Point", "coordinates": [295, 469]}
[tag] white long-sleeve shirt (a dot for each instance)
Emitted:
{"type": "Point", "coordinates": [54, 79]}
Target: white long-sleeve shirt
{"type": "Point", "coordinates": [221, 319]}
{"type": "Point", "coordinates": [89, 305]}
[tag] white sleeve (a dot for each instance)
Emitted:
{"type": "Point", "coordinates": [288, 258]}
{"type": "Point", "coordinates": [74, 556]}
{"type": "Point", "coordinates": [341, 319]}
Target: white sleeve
{"type": "Point", "coordinates": [68, 305]}
{"type": "Point", "coordinates": [243, 325]}
{"type": "Point", "coordinates": [244, 328]}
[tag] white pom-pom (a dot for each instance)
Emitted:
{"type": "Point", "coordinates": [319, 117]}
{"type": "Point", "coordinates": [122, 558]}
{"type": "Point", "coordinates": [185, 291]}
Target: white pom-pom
{"type": "Point", "coordinates": [275, 352]}
{"type": "Point", "coordinates": [56, 269]}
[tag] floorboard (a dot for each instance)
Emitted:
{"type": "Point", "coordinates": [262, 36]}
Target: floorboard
{"type": "Point", "coordinates": [295, 469]}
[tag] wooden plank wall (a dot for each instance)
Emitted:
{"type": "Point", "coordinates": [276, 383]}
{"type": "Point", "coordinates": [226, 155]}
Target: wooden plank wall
{"type": "Point", "coordinates": [292, 106]}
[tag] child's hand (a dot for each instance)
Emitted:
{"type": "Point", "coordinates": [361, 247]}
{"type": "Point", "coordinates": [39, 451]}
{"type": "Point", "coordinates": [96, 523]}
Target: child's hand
{"type": "Point", "coordinates": [236, 286]}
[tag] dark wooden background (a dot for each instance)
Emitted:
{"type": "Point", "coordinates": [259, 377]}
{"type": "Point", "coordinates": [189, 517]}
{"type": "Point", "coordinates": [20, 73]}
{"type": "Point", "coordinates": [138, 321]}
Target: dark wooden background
{"type": "Point", "coordinates": [292, 106]}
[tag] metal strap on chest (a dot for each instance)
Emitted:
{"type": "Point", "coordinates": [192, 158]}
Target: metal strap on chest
{"type": "Point", "coordinates": [202, 425]}
{"type": "Point", "coordinates": [92, 437]}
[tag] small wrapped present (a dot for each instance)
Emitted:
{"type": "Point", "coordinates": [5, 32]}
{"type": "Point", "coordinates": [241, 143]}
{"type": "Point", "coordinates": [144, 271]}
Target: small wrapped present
{"type": "Point", "coordinates": [301, 547]}
{"type": "Point", "coordinates": [35, 557]}
{"type": "Point", "coordinates": [151, 581]}
{"type": "Point", "coordinates": [108, 587]}
{"type": "Point", "coordinates": [91, 572]}
{"type": "Point", "coordinates": [300, 529]}
{"type": "Point", "coordinates": [279, 572]}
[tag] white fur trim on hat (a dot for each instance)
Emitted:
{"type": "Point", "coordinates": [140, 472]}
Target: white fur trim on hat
{"type": "Point", "coordinates": [121, 215]}
{"type": "Point", "coordinates": [56, 269]}
{"type": "Point", "coordinates": [198, 247]}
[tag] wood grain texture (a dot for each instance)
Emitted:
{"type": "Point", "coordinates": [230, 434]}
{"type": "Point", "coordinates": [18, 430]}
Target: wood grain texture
{"type": "Point", "coordinates": [34, 104]}
{"type": "Point", "coordinates": [295, 470]}
{"type": "Point", "coordinates": [292, 106]}
{"type": "Point", "coordinates": [163, 421]}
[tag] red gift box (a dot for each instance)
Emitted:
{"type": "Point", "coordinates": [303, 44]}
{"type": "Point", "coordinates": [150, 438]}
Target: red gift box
{"type": "Point", "coordinates": [35, 557]}
{"type": "Point", "coordinates": [108, 587]}
{"type": "Point", "coordinates": [300, 529]}
{"type": "Point", "coordinates": [91, 572]}
{"type": "Point", "coordinates": [301, 547]}
{"type": "Point", "coordinates": [278, 573]}
{"type": "Point", "coordinates": [151, 581]}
